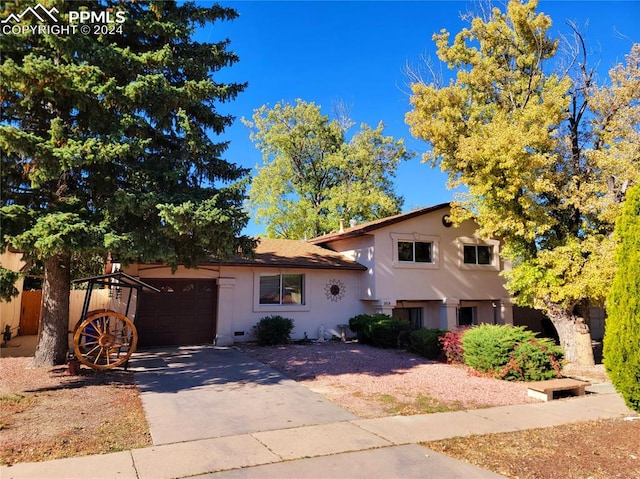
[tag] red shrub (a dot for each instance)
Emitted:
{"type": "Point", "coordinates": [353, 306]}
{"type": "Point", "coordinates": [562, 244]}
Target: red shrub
{"type": "Point", "coordinates": [452, 346]}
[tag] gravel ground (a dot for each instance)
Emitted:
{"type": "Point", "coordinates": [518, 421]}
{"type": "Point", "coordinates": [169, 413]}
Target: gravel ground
{"type": "Point", "coordinates": [372, 382]}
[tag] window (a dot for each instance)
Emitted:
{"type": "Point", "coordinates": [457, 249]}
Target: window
{"type": "Point", "coordinates": [282, 289]}
{"type": "Point", "coordinates": [477, 254]}
{"type": "Point", "coordinates": [467, 316]}
{"type": "Point", "coordinates": [415, 251]}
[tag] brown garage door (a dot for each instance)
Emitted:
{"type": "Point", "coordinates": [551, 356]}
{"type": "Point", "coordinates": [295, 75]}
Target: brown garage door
{"type": "Point", "coordinates": [183, 313]}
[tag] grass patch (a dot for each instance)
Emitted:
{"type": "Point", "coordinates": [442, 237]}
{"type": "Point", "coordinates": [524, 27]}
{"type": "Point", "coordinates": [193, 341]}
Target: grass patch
{"type": "Point", "coordinates": [420, 404]}
{"type": "Point", "coordinates": [12, 398]}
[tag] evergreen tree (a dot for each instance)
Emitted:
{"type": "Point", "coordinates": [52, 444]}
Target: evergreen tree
{"type": "Point", "coordinates": [622, 334]}
{"type": "Point", "coordinates": [107, 146]}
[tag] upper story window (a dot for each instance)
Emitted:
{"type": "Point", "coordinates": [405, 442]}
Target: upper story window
{"type": "Point", "coordinates": [277, 289]}
{"type": "Point", "coordinates": [478, 254]}
{"type": "Point", "coordinates": [415, 251]}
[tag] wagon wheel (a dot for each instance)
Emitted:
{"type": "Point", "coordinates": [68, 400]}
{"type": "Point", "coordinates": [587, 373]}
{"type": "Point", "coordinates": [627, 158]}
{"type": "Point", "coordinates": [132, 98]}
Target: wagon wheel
{"type": "Point", "coordinates": [90, 313]}
{"type": "Point", "coordinates": [105, 340]}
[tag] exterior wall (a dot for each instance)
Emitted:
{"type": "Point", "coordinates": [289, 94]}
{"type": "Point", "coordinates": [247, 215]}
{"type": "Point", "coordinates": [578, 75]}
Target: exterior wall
{"type": "Point", "coordinates": [238, 308]}
{"type": "Point", "coordinates": [445, 283]}
{"type": "Point", "coordinates": [361, 249]}
{"type": "Point", "coordinates": [240, 289]}
{"type": "Point", "coordinates": [10, 310]}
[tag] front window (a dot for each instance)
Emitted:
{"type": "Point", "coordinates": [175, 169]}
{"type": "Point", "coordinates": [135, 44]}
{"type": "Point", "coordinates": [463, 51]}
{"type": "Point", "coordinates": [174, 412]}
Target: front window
{"type": "Point", "coordinates": [282, 289]}
{"type": "Point", "coordinates": [477, 254]}
{"type": "Point", "coordinates": [415, 251]}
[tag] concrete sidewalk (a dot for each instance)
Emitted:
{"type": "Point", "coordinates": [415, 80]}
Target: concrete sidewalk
{"type": "Point", "coordinates": [217, 413]}
{"type": "Point", "coordinates": [372, 448]}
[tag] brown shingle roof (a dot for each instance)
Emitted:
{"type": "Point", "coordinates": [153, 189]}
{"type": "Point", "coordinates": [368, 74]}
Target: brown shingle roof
{"type": "Point", "coordinates": [365, 228]}
{"type": "Point", "coordinates": [295, 254]}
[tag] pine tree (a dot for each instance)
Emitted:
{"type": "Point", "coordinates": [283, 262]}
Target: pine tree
{"type": "Point", "coordinates": [622, 334]}
{"type": "Point", "coordinates": [107, 146]}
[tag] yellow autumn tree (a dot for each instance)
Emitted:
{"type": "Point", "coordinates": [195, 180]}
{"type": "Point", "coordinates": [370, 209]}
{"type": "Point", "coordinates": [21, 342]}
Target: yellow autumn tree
{"type": "Point", "coordinates": [545, 159]}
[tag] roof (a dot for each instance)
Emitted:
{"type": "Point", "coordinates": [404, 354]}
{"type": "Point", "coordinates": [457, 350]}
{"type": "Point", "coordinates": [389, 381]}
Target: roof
{"type": "Point", "coordinates": [122, 280]}
{"type": "Point", "coordinates": [364, 228]}
{"type": "Point", "coordinates": [294, 254]}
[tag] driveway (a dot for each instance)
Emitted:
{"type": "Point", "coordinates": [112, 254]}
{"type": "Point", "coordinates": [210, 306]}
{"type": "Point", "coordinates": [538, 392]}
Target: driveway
{"type": "Point", "coordinates": [201, 392]}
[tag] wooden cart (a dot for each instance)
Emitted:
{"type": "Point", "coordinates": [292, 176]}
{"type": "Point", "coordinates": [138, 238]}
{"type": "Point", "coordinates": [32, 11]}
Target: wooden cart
{"type": "Point", "coordinates": [103, 338]}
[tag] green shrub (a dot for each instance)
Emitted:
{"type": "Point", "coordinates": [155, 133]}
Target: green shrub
{"type": "Point", "coordinates": [379, 330]}
{"type": "Point", "coordinates": [534, 360]}
{"type": "Point", "coordinates": [272, 330]}
{"type": "Point", "coordinates": [487, 347]}
{"type": "Point", "coordinates": [451, 343]}
{"type": "Point", "coordinates": [359, 323]}
{"type": "Point", "coordinates": [426, 342]}
{"type": "Point", "coordinates": [510, 352]}
{"type": "Point", "coordinates": [621, 349]}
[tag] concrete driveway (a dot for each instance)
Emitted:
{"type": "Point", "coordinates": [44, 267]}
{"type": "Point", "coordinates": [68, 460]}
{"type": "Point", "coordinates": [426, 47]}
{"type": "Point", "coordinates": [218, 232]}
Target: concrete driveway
{"type": "Point", "coordinates": [201, 392]}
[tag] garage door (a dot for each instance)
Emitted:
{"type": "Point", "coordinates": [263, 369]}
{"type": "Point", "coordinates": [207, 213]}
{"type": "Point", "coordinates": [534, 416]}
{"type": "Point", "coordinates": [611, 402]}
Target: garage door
{"type": "Point", "coordinates": [183, 313]}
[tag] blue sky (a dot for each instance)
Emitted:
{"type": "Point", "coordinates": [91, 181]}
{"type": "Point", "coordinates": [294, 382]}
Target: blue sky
{"type": "Point", "coordinates": [357, 53]}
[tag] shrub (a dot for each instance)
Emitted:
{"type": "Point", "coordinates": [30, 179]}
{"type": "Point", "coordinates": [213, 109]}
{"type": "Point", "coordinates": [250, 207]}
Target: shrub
{"type": "Point", "coordinates": [451, 343]}
{"type": "Point", "coordinates": [622, 335]}
{"type": "Point", "coordinates": [359, 323]}
{"type": "Point", "coordinates": [487, 347]}
{"type": "Point", "coordinates": [379, 330]}
{"type": "Point", "coordinates": [272, 330]}
{"type": "Point", "coordinates": [510, 352]}
{"type": "Point", "coordinates": [426, 342]}
{"type": "Point", "coordinates": [535, 360]}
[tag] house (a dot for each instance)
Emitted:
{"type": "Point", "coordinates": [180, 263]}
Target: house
{"type": "Point", "coordinates": [414, 265]}
{"type": "Point", "coordinates": [422, 268]}
{"type": "Point", "coordinates": [10, 310]}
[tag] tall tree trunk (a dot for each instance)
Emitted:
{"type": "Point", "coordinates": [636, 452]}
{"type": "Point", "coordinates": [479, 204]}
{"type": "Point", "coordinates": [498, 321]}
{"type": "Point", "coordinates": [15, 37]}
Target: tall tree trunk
{"type": "Point", "coordinates": [53, 342]}
{"type": "Point", "coordinates": [574, 335]}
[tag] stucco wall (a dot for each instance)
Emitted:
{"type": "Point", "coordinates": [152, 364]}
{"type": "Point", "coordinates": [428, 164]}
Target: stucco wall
{"type": "Point", "coordinates": [10, 310]}
{"type": "Point", "coordinates": [320, 306]}
{"type": "Point", "coordinates": [448, 277]}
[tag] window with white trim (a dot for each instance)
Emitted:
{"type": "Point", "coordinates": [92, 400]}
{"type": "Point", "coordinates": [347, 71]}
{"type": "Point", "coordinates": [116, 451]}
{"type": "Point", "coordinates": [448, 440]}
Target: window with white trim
{"type": "Point", "coordinates": [415, 251]}
{"type": "Point", "coordinates": [281, 289]}
{"type": "Point", "coordinates": [478, 254]}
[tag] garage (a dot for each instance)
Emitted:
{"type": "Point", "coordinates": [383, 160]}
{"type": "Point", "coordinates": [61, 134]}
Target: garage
{"type": "Point", "coordinates": [182, 314]}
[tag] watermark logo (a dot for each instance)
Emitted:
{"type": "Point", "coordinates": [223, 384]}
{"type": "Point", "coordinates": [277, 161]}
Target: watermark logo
{"type": "Point", "coordinates": [42, 14]}
{"type": "Point", "coordinates": [45, 20]}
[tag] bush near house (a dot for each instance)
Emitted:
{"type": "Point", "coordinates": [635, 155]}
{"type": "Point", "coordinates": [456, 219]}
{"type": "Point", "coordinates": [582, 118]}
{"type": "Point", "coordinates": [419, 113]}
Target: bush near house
{"type": "Point", "coordinates": [273, 330]}
{"type": "Point", "coordinates": [379, 330]}
{"type": "Point", "coordinates": [511, 353]}
{"type": "Point", "coordinates": [451, 343]}
{"type": "Point", "coordinates": [426, 342]}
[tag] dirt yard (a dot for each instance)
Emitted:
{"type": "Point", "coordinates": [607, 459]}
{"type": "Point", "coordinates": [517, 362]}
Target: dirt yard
{"type": "Point", "coordinates": [46, 413]}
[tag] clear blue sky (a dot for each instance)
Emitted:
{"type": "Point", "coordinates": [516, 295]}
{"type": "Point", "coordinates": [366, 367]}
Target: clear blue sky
{"type": "Point", "coordinates": [356, 52]}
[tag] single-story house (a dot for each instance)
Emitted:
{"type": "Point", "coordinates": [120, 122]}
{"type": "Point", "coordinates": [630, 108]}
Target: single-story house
{"type": "Point", "coordinates": [414, 265]}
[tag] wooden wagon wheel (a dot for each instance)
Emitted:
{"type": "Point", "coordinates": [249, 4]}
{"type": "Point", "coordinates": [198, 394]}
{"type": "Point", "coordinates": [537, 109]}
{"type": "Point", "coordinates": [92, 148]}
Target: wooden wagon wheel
{"type": "Point", "coordinates": [105, 340]}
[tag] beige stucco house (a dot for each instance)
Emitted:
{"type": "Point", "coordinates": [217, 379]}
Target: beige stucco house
{"type": "Point", "coordinates": [414, 265]}
{"type": "Point", "coordinates": [422, 268]}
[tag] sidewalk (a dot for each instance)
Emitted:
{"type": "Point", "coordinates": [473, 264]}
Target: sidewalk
{"type": "Point", "coordinates": [371, 448]}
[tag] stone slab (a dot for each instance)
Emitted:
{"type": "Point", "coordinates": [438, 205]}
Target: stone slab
{"type": "Point", "coordinates": [200, 457]}
{"type": "Point", "coordinates": [429, 427]}
{"type": "Point", "coordinates": [116, 465]}
{"type": "Point", "coordinates": [319, 440]}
